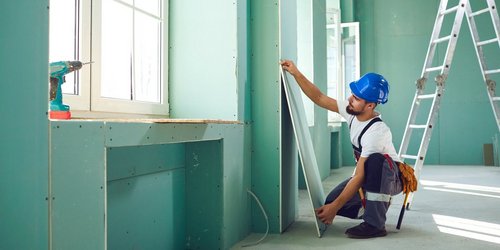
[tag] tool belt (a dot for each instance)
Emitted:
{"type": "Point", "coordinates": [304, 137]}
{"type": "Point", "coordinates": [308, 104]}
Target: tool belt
{"type": "Point", "coordinates": [408, 178]}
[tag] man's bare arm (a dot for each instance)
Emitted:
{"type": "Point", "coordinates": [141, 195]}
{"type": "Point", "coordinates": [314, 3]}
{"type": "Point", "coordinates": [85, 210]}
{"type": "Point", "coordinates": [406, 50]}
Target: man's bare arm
{"type": "Point", "coordinates": [309, 88]}
{"type": "Point", "coordinates": [327, 212]}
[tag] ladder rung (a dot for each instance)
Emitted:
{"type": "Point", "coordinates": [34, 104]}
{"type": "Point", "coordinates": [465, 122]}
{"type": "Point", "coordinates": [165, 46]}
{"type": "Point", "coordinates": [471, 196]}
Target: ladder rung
{"type": "Point", "coordinates": [448, 11]}
{"type": "Point", "coordinates": [428, 96]}
{"type": "Point", "coordinates": [434, 69]}
{"type": "Point", "coordinates": [479, 12]}
{"type": "Point", "coordinates": [414, 157]}
{"type": "Point", "coordinates": [487, 42]}
{"type": "Point", "coordinates": [493, 71]}
{"type": "Point", "coordinates": [442, 39]}
{"type": "Point", "coordinates": [417, 126]}
{"type": "Point", "coordinates": [496, 98]}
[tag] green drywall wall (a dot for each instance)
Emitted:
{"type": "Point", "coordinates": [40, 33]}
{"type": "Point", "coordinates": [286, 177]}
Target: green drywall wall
{"type": "Point", "coordinates": [78, 185]}
{"type": "Point", "coordinates": [394, 39]}
{"type": "Point", "coordinates": [147, 211]}
{"type": "Point", "coordinates": [24, 128]}
{"type": "Point", "coordinates": [204, 196]}
{"type": "Point", "coordinates": [264, 59]}
{"type": "Point", "coordinates": [320, 133]}
{"type": "Point", "coordinates": [289, 148]}
{"type": "Point", "coordinates": [204, 59]}
{"type": "Point", "coordinates": [196, 175]}
{"type": "Point", "coordinates": [347, 8]}
{"type": "Point", "coordinates": [77, 162]}
{"type": "Point", "coordinates": [146, 197]}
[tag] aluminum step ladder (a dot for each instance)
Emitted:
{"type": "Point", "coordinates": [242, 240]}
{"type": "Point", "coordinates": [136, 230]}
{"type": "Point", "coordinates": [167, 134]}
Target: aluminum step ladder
{"type": "Point", "coordinates": [462, 9]}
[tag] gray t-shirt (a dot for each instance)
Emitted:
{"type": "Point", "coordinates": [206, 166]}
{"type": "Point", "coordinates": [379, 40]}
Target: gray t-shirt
{"type": "Point", "coordinates": [377, 139]}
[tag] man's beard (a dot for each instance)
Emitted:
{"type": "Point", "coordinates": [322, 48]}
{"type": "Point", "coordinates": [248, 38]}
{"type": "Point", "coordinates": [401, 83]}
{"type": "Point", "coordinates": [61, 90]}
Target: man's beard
{"type": "Point", "coordinates": [351, 111]}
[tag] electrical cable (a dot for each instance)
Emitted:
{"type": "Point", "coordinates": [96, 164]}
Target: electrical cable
{"type": "Point", "coordinates": [265, 216]}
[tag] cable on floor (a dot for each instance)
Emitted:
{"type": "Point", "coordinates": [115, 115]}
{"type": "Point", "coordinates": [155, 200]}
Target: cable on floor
{"type": "Point", "coordinates": [265, 216]}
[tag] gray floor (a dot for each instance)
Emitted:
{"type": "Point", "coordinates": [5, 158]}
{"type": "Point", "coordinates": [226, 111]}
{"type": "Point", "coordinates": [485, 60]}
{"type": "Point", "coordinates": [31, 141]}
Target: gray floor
{"type": "Point", "coordinates": [456, 207]}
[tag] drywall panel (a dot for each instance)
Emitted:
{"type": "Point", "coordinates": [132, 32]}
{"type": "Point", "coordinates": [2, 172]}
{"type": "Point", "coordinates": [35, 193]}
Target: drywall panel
{"type": "Point", "coordinates": [24, 127]}
{"type": "Point", "coordinates": [264, 23]}
{"type": "Point", "coordinates": [204, 197]}
{"type": "Point", "coordinates": [320, 134]}
{"type": "Point", "coordinates": [24, 146]}
{"type": "Point", "coordinates": [306, 150]}
{"type": "Point", "coordinates": [203, 56]}
{"type": "Point", "coordinates": [78, 185]}
{"type": "Point", "coordinates": [126, 162]}
{"type": "Point", "coordinates": [289, 154]}
{"type": "Point", "coordinates": [242, 60]}
{"type": "Point", "coordinates": [147, 211]}
{"type": "Point", "coordinates": [236, 167]}
{"type": "Point", "coordinates": [164, 133]}
{"type": "Point", "coordinates": [223, 152]}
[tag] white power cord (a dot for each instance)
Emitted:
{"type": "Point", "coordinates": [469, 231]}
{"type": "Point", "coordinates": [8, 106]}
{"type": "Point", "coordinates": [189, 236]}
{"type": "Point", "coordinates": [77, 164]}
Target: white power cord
{"type": "Point", "coordinates": [265, 216]}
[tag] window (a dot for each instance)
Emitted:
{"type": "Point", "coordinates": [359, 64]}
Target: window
{"type": "Point", "coordinates": [333, 57]}
{"type": "Point", "coordinates": [343, 59]}
{"type": "Point", "coordinates": [125, 40]}
{"type": "Point", "coordinates": [350, 55]}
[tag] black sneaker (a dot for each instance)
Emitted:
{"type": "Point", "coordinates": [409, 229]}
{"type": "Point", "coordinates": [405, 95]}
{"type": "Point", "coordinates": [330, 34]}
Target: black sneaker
{"type": "Point", "coordinates": [365, 231]}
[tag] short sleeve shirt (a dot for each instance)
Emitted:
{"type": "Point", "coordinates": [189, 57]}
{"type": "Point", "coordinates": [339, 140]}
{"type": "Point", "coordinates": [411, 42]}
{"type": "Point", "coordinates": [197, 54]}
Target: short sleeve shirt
{"type": "Point", "coordinates": [377, 139]}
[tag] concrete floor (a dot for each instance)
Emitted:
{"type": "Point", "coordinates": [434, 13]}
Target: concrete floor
{"type": "Point", "coordinates": [456, 207]}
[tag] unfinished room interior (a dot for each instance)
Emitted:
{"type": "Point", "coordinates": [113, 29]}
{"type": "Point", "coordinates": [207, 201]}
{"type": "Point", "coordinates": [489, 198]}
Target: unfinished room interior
{"type": "Point", "coordinates": [225, 124]}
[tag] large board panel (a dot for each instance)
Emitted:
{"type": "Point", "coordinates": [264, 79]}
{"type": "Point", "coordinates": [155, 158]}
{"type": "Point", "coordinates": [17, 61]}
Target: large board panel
{"type": "Point", "coordinates": [306, 150]}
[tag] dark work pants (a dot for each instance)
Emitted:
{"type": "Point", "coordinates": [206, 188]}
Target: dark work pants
{"type": "Point", "coordinates": [381, 181]}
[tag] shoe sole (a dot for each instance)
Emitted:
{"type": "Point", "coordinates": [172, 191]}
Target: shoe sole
{"type": "Point", "coordinates": [353, 236]}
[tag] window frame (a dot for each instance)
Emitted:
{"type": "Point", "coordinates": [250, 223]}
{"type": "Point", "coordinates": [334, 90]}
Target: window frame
{"type": "Point", "coordinates": [89, 98]}
{"type": "Point", "coordinates": [346, 91]}
{"type": "Point", "coordinates": [334, 86]}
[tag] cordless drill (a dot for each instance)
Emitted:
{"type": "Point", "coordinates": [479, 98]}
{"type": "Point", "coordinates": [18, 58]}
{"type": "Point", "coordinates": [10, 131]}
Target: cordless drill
{"type": "Point", "coordinates": [58, 70]}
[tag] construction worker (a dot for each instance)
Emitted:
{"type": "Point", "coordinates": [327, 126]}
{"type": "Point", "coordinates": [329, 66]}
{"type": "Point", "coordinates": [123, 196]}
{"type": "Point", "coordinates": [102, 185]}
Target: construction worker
{"type": "Point", "coordinates": [367, 193]}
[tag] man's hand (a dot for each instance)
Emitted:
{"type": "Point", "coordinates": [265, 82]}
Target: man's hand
{"type": "Point", "coordinates": [289, 66]}
{"type": "Point", "coordinates": [326, 213]}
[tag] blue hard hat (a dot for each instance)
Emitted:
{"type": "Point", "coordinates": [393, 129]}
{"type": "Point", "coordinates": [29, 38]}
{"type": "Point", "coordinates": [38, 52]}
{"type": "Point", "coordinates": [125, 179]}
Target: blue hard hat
{"type": "Point", "coordinates": [371, 87]}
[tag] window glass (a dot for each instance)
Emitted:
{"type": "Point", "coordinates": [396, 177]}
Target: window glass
{"type": "Point", "coordinates": [116, 50]}
{"type": "Point", "coordinates": [64, 47]}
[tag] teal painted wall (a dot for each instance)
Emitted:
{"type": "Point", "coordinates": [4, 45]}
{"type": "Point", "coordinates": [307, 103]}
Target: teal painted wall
{"type": "Point", "coordinates": [320, 133]}
{"type": "Point", "coordinates": [146, 196]}
{"type": "Point", "coordinates": [207, 59]}
{"type": "Point", "coordinates": [264, 35]}
{"type": "Point", "coordinates": [67, 196]}
{"type": "Point", "coordinates": [394, 39]}
{"type": "Point", "coordinates": [24, 128]}
{"type": "Point", "coordinates": [166, 186]}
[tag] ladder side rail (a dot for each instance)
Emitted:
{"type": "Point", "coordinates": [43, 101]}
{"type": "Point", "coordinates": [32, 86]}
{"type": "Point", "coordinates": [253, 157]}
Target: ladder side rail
{"type": "Point", "coordinates": [426, 138]}
{"type": "Point", "coordinates": [475, 40]}
{"type": "Point", "coordinates": [411, 120]}
{"type": "Point", "coordinates": [494, 18]}
{"type": "Point", "coordinates": [450, 50]}
{"type": "Point", "coordinates": [496, 109]}
{"type": "Point", "coordinates": [438, 23]}
{"type": "Point", "coordinates": [496, 25]}
{"type": "Point", "coordinates": [440, 80]}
